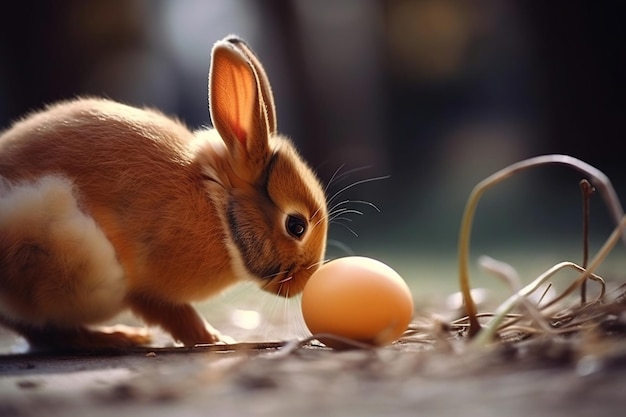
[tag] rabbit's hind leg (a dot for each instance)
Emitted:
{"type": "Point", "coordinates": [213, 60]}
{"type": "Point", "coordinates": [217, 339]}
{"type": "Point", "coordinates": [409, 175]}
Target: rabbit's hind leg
{"type": "Point", "coordinates": [50, 338]}
{"type": "Point", "coordinates": [58, 270]}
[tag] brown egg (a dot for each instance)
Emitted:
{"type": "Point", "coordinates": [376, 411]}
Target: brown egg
{"type": "Point", "coordinates": [358, 298]}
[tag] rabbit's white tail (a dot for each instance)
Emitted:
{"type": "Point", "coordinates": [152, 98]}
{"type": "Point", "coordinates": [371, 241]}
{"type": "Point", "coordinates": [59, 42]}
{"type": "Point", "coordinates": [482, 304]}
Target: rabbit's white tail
{"type": "Point", "coordinates": [55, 262]}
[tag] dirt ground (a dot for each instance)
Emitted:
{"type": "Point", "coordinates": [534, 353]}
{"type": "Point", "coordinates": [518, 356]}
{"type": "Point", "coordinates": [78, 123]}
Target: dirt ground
{"type": "Point", "coordinates": [561, 377]}
{"type": "Point", "coordinates": [399, 380]}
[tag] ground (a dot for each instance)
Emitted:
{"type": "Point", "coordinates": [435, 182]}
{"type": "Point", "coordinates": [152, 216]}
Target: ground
{"type": "Point", "coordinates": [404, 379]}
{"type": "Point", "coordinates": [542, 377]}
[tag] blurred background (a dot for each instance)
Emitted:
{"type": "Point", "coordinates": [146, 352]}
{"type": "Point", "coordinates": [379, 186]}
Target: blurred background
{"type": "Point", "coordinates": [437, 94]}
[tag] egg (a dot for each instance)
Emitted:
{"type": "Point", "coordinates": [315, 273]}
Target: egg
{"type": "Point", "coordinates": [358, 298]}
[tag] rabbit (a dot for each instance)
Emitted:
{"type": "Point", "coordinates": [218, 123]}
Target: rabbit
{"type": "Point", "coordinates": [106, 207]}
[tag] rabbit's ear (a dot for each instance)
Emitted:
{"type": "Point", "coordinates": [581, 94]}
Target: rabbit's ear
{"type": "Point", "coordinates": [264, 84]}
{"type": "Point", "coordinates": [238, 110]}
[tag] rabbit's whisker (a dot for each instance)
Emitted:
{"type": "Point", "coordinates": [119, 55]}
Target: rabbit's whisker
{"type": "Point", "coordinates": [282, 281]}
{"type": "Point", "coordinates": [333, 208]}
{"type": "Point", "coordinates": [315, 214]}
{"type": "Point", "coordinates": [344, 202]}
{"type": "Point", "coordinates": [332, 178]}
{"type": "Point", "coordinates": [337, 213]}
{"type": "Point", "coordinates": [354, 184]}
{"type": "Point", "coordinates": [348, 228]}
{"type": "Point", "coordinates": [319, 221]}
{"type": "Point", "coordinates": [344, 211]}
{"type": "Point", "coordinates": [322, 262]}
{"type": "Point", "coordinates": [337, 220]}
{"type": "Point", "coordinates": [338, 177]}
{"type": "Point", "coordinates": [351, 171]}
{"type": "Point", "coordinates": [342, 246]}
{"type": "Point", "coordinates": [275, 274]}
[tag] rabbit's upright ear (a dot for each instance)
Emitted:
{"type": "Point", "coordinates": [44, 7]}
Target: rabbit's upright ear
{"type": "Point", "coordinates": [264, 84]}
{"type": "Point", "coordinates": [240, 111]}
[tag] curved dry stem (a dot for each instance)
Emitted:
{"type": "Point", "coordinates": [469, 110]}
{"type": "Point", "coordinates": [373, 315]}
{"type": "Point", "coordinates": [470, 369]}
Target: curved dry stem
{"type": "Point", "coordinates": [488, 333]}
{"type": "Point", "coordinates": [522, 330]}
{"type": "Point", "coordinates": [598, 179]}
{"type": "Point", "coordinates": [509, 275]}
{"type": "Point", "coordinates": [463, 322]}
{"type": "Point", "coordinates": [296, 344]}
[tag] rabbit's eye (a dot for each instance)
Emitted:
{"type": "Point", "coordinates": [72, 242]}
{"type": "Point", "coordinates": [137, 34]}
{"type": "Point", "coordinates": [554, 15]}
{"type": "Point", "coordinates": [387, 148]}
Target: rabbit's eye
{"type": "Point", "coordinates": [296, 226]}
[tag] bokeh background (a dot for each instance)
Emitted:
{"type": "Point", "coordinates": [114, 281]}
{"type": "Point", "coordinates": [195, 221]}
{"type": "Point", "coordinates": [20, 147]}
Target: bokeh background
{"type": "Point", "coordinates": [437, 94]}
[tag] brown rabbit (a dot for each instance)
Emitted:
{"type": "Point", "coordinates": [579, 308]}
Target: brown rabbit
{"type": "Point", "coordinates": [105, 207]}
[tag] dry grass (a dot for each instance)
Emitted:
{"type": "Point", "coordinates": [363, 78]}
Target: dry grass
{"type": "Point", "coordinates": [536, 320]}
